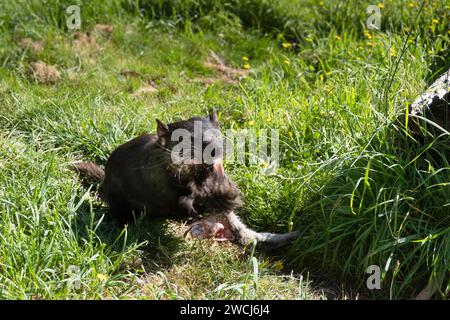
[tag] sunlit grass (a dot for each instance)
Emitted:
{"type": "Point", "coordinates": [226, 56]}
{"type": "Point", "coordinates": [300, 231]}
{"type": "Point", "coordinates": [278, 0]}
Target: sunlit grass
{"type": "Point", "coordinates": [358, 188]}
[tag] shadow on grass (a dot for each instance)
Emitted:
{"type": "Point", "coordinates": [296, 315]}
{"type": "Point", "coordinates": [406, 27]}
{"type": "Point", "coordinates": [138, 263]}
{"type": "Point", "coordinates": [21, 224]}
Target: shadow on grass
{"type": "Point", "coordinates": [440, 64]}
{"type": "Point", "coordinates": [156, 243]}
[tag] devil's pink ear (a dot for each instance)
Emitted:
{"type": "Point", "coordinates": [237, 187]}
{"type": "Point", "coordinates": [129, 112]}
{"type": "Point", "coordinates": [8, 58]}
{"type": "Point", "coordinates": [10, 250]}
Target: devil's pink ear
{"type": "Point", "coordinates": [213, 117]}
{"type": "Point", "coordinates": [162, 128]}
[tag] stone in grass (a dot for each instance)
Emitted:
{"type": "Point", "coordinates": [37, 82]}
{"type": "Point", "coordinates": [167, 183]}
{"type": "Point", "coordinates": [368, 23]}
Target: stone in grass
{"type": "Point", "coordinates": [44, 73]}
{"type": "Point", "coordinates": [430, 112]}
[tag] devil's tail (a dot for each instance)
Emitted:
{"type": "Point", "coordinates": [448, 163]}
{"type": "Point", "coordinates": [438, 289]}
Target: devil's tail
{"type": "Point", "coordinates": [265, 240]}
{"type": "Point", "coordinates": [90, 174]}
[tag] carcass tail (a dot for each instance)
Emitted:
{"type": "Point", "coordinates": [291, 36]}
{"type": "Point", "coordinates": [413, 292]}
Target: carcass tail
{"type": "Point", "coordinates": [264, 240]}
{"type": "Point", "coordinates": [89, 173]}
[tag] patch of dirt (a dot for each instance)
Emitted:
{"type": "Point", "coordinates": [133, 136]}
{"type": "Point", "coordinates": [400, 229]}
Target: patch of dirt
{"type": "Point", "coordinates": [73, 74]}
{"type": "Point", "coordinates": [229, 72]}
{"type": "Point", "coordinates": [130, 74]}
{"type": "Point", "coordinates": [88, 40]}
{"type": "Point", "coordinates": [224, 72]}
{"type": "Point", "coordinates": [149, 87]}
{"type": "Point", "coordinates": [103, 28]}
{"type": "Point", "coordinates": [44, 73]}
{"type": "Point", "coordinates": [213, 80]}
{"type": "Point", "coordinates": [83, 41]}
{"type": "Point", "coordinates": [30, 44]}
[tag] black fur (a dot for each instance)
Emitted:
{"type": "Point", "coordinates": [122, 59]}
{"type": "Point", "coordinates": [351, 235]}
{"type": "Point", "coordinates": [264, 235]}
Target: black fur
{"type": "Point", "coordinates": [140, 176]}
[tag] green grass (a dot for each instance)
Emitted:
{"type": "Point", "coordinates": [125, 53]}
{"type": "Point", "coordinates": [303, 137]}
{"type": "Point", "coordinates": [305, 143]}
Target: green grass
{"type": "Point", "coordinates": [358, 188]}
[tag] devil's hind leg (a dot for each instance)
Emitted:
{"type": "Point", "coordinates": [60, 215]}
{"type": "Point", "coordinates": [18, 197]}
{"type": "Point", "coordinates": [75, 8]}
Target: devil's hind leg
{"type": "Point", "coordinates": [122, 211]}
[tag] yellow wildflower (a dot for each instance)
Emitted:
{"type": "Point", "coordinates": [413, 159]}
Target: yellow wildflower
{"type": "Point", "coordinates": [286, 45]}
{"type": "Point", "coordinates": [101, 277]}
{"type": "Point", "coordinates": [251, 123]}
{"type": "Point", "coordinates": [380, 5]}
{"type": "Point", "coordinates": [367, 34]}
{"type": "Point", "coordinates": [393, 52]}
{"type": "Point", "coordinates": [246, 66]}
{"type": "Point", "coordinates": [434, 21]}
{"type": "Point", "coordinates": [338, 38]}
{"type": "Point", "coordinates": [245, 58]}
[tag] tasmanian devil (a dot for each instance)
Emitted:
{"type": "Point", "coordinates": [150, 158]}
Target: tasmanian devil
{"type": "Point", "coordinates": [176, 173]}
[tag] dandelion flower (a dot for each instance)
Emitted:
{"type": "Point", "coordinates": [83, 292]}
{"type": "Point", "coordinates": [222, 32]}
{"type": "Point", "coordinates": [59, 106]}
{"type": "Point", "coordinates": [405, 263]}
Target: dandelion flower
{"type": "Point", "coordinates": [246, 66]}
